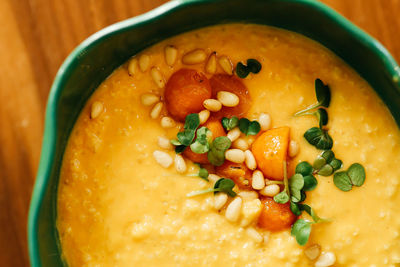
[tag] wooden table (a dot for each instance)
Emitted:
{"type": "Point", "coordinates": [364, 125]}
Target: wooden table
{"type": "Point", "coordinates": [35, 38]}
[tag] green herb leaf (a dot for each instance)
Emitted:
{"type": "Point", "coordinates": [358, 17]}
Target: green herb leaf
{"type": "Point", "coordinates": [319, 162]}
{"type": "Point", "coordinates": [328, 155]}
{"type": "Point", "coordinates": [342, 181]}
{"type": "Point", "coordinates": [295, 208]}
{"type": "Point", "coordinates": [242, 71]}
{"type": "Point", "coordinates": [281, 198]}
{"type": "Point", "coordinates": [322, 117]}
{"type": "Point", "coordinates": [216, 155]}
{"type": "Point", "coordinates": [231, 123]}
{"type": "Point", "coordinates": [249, 127]}
{"type": "Point", "coordinates": [175, 142]}
{"type": "Point", "coordinates": [301, 230]}
{"type": "Point", "coordinates": [253, 65]}
{"type": "Point", "coordinates": [323, 93]}
{"type": "Point", "coordinates": [296, 181]}
{"type": "Point", "coordinates": [186, 137]}
{"type": "Point", "coordinates": [201, 145]}
{"type": "Point", "coordinates": [225, 185]}
{"type": "Point", "coordinates": [356, 172]}
{"type": "Point", "coordinates": [192, 121]}
{"type": "Point", "coordinates": [304, 168]}
{"type": "Point", "coordinates": [319, 138]}
{"type": "Point", "coordinates": [203, 173]}
{"type": "Point", "coordinates": [326, 170]}
{"type": "Point", "coordinates": [336, 164]}
{"type": "Point", "coordinates": [179, 149]}
{"type": "Point", "coordinates": [310, 183]}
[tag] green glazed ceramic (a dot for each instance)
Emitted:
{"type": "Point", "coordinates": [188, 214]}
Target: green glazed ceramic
{"type": "Point", "coordinates": [92, 61]}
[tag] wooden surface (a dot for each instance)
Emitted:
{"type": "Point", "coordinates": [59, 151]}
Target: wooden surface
{"type": "Point", "coordinates": [35, 38]}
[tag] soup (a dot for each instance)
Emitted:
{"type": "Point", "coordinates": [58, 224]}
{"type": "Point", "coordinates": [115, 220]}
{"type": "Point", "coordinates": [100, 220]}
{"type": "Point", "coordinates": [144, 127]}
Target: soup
{"type": "Point", "coordinates": [237, 145]}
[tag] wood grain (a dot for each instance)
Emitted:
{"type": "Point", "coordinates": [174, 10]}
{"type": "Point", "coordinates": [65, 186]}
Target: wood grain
{"type": "Point", "coordinates": [36, 36]}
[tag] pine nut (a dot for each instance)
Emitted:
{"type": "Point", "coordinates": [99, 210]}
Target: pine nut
{"type": "Point", "coordinates": [235, 155]}
{"type": "Point", "coordinates": [250, 160]}
{"type": "Point", "coordinates": [227, 99]}
{"type": "Point", "coordinates": [258, 182]}
{"type": "Point", "coordinates": [326, 259]}
{"type": "Point", "coordinates": [241, 144]}
{"type": "Point", "coordinates": [96, 110]}
{"type": "Point", "coordinates": [170, 53]}
{"type": "Point", "coordinates": [293, 148]}
{"type": "Point", "coordinates": [156, 111]}
{"type": "Point", "coordinates": [157, 77]}
{"type": "Point", "coordinates": [212, 105]}
{"type": "Point", "coordinates": [167, 122]}
{"type": "Point", "coordinates": [132, 66]}
{"type": "Point", "coordinates": [220, 200]}
{"type": "Point", "coordinates": [248, 195]}
{"type": "Point", "coordinates": [254, 234]}
{"type": "Point", "coordinates": [144, 62]}
{"type": "Point", "coordinates": [312, 252]}
{"type": "Point", "coordinates": [164, 142]}
{"type": "Point", "coordinates": [213, 178]}
{"type": "Point", "coordinates": [203, 116]}
{"type": "Point", "coordinates": [265, 121]}
{"type": "Point", "coordinates": [149, 99]}
{"type": "Point", "coordinates": [194, 57]}
{"type": "Point", "coordinates": [233, 134]}
{"type": "Point", "coordinates": [270, 190]}
{"type": "Point", "coordinates": [162, 158]}
{"type": "Point", "coordinates": [226, 64]}
{"type": "Point", "coordinates": [233, 210]}
{"type": "Point", "coordinates": [211, 66]}
{"type": "Point", "coordinates": [180, 164]}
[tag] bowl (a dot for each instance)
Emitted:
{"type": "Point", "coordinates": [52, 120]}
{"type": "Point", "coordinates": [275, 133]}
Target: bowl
{"type": "Point", "coordinates": [93, 60]}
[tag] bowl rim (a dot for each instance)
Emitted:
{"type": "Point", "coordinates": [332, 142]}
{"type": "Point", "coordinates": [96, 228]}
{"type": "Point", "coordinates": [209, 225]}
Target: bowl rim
{"type": "Point", "coordinates": [50, 129]}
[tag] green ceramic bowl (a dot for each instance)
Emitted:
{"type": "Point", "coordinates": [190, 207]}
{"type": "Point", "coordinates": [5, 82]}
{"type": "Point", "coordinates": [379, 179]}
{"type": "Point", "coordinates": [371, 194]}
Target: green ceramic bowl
{"type": "Point", "coordinates": [92, 61]}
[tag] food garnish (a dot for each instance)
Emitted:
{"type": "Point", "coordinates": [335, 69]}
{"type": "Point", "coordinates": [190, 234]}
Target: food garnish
{"type": "Point", "coordinates": [253, 65]}
{"type": "Point", "coordinates": [323, 95]}
{"type": "Point", "coordinates": [202, 142]}
{"type": "Point", "coordinates": [230, 123]}
{"type": "Point", "coordinates": [249, 127]}
{"type": "Point", "coordinates": [222, 185]}
{"type": "Point", "coordinates": [216, 155]}
{"type": "Point", "coordinates": [355, 175]}
{"type": "Point", "coordinates": [319, 138]}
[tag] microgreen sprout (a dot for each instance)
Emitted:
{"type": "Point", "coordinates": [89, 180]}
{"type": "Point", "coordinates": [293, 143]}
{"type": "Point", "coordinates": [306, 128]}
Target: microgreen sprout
{"type": "Point", "coordinates": [284, 196]}
{"type": "Point", "coordinates": [253, 65]}
{"type": "Point", "coordinates": [355, 175]}
{"type": "Point", "coordinates": [185, 138]}
{"type": "Point", "coordinates": [326, 164]}
{"type": "Point", "coordinates": [203, 173]}
{"type": "Point", "coordinates": [323, 95]}
{"type": "Point", "coordinates": [216, 154]}
{"type": "Point", "coordinates": [249, 127]}
{"type": "Point", "coordinates": [222, 185]}
{"type": "Point", "coordinates": [319, 138]}
{"type": "Point", "coordinates": [229, 123]}
{"type": "Point", "coordinates": [203, 140]}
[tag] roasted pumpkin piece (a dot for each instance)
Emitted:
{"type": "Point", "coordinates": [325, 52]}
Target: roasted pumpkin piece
{"type": "Point", "coordinates": [185, 92]}
{"type": "Point", "coordinates": [270, 151]}
{"type": "Point", "coordinates": [238, 172]}
{"type": "Point", "coordinates": [275, 216]}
